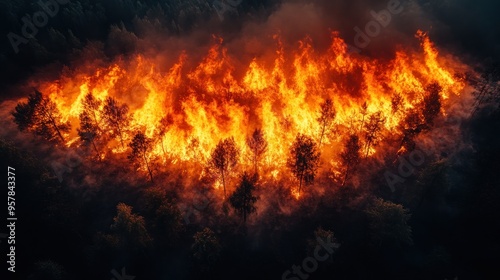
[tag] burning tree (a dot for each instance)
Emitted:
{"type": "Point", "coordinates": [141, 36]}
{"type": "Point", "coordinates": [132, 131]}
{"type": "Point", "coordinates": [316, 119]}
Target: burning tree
{"type": "Point", "coordinates": [116, 118]}
{"type": "Point", "coordinates": [243, 200]}
{"type": "Point", "coordinates": [91, 106]}
{"type": "Point", "coordinates": [363, 112]}
{"type": "Point", "coordinates": [41, 116]}
{"type": "Point", "coordinates": [422, 117]}
{"type": "Point", "coordinates": [258, 146]}
{"type": "Point", "coordinates": [350, 157]}
{"type": "Point", "coordinates": [304, 159]}
{"type": "Point", "coordinates": [141, 146]}
{"type": "Point", "coordinates": [372, 130]}
{"type": "Point", "coordinates": [89, 129]}
{"type": "Point", "coordinates": [326, 118]}
{"type": "Point", "coordinates": [163, 128]}
{"type": "Point", "coordinates": [431, 104]}
{"type": "Point", "coordinates": [224, 158]}
{"type": "Point", "coordinates": [396, 101]}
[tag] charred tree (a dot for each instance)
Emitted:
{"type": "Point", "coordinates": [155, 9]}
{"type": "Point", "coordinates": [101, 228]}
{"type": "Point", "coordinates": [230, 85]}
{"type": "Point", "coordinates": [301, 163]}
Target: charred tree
{"type": "Point", "coordinates": [422, 117]}
{"type": "Point", "coordinates": [92, 106]}
{"type": "Point", "coordinates": [363, 111]}
{"type": "Point", "coordinates": [327, 116]}
{"type": "Point", "coordinates": [141, 146]}
{"type": "Point", "coordinates": [304, 159]}
{"type": "Point", "coordinates": [40, 116]}
{"type": "Point", "coordinates": [243, 200]}
{"type": "Point", "coordinates": [258, 146]}
{"type": "Point", "coordinates": [224, 158]}
{"type": "Point", "coordinates": [396, 102]}
{"type": "Point", "coordinates": [431, 104]}
{"type": "Point", "coordinates": [116, 118]}
{"type": "Point", "coordinates": [350, 157]}
{"type": "Point", "coordinates": [88, 131]}
{"type": "Point", "coordinates": [163, 128]}
{"type": "Point", "coordinates": [372, 130]}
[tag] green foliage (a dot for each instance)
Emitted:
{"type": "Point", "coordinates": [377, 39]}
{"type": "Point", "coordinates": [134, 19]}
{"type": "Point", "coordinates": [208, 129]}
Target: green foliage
{"type": "Point", "coordinates": [169, 220]}
{"type": "Point", "coordinates": [48, 270]}
{"type": "Point", "coordinates": [166, 216]}
{"type": "Point", "coordinates": [432, 182]}
{"type": "Point", "coordinates": [388, 223]}
{"type": "Point", "coordinates": [206, 248]}
{"type": "Point", "coordinates": [130, 228]}
{"type": "Point", "coordinates": [324, 235]}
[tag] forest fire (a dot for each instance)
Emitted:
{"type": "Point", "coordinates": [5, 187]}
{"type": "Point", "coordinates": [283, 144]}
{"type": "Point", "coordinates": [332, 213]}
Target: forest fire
{"type": "Point", "coordinates": [259, 139]}
{"type": "Point", "coordinates": [187, 113]}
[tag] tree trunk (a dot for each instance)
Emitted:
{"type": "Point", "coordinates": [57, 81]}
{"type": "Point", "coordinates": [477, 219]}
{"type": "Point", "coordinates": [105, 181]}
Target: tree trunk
{"type": "Point", "coordinates": [163, 148]}
{"type": "Point", "coordinates": [95, 148]}
{"type": "Point", "coordinates": [300, 182]}
{"type": "Point", "coordinates": [224, 184]}
{"type": "Point", "coordinates": [322, 134]}
{"type": "Point", "coordinates": [345, 177]}
{"type": "Point", "coordinates": [58, 131]}
{"type": "Point", "coordinates": [255, 163]}
{"type": "Point", "coordinates": [367, 148]}
{"type": "Point", "coordinates": [55, 126]}
{"type": "Point", "coordinates": [149, 170]}
{"type": "Point", "coordinates": [121, 137]}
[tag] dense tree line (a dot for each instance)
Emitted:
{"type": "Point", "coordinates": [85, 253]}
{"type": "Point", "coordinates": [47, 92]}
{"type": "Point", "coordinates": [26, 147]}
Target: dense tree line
{"type": "Point", "coordinates": [118, 23]}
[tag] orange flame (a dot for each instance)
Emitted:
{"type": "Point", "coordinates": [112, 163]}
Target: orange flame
{"type": "Point", "coordinates": [212, 100]}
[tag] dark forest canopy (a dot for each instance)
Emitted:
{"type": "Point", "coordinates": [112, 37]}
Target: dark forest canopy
{"type": "Point", "coordinates": [119, 24]}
